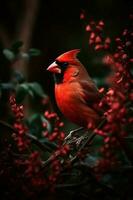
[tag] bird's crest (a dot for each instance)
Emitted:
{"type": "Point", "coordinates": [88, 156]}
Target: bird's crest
{"type": "Point", "coordinates": [69, 55]}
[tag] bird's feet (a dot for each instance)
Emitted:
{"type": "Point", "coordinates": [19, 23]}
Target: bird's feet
{"type": "Point", "coordinates": [79, 140]}
{"type": "Point", "coordinates": [68, 136]}
{"type": "Point", "coordinates": [72, 133]}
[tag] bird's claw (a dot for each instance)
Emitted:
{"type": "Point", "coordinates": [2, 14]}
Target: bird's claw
{"type": "Point", "coordinates": [79, 140]}
{"type": "Point", "coordinates": [68, 136]}
{"type": "Point", "coordinates": [72, 133]}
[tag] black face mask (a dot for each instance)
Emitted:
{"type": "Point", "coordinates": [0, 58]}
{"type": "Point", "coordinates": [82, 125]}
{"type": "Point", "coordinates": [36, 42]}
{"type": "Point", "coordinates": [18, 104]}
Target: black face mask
{"type": "Point", "coordinates": [59, 77]}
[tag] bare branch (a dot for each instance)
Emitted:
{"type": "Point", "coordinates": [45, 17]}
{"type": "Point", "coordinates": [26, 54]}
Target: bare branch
{"type": "Point", "coordinates": [34, 139]}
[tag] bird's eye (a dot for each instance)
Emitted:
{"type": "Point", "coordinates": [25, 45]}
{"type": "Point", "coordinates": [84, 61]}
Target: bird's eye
{"type": "Point", "coordinates": [62, 64]}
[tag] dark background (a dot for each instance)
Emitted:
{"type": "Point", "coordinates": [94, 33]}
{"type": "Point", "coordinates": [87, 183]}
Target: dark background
{"type": "Point", "coordinates": [58, 28]}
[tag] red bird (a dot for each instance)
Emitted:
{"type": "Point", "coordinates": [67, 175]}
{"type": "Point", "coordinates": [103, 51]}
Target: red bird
{"type": "Point", "coordinates": [75, 92]}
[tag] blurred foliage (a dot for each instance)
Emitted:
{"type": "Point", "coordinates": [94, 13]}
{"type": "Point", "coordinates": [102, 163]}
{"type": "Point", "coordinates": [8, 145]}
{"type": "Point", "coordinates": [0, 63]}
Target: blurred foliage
{"type": "Point", "coordinates": [35, 161]}
{"type": "Point", "coordinates": [43, 128]}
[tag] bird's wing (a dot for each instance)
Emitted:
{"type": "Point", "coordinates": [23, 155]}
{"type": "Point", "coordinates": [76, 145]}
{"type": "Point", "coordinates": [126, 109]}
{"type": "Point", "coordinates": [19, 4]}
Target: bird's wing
{"type": "Point", "coordinates": [90, 92]}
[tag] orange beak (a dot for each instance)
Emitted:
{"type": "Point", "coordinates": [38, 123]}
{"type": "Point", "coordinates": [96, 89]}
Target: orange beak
{"type": "Point", "coordinates": [54, 68]}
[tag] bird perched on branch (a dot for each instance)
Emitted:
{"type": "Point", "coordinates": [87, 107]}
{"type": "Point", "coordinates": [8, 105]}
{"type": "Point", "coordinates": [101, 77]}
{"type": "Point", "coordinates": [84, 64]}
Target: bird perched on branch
{"type": "Point", "coordinates": [75, 92]}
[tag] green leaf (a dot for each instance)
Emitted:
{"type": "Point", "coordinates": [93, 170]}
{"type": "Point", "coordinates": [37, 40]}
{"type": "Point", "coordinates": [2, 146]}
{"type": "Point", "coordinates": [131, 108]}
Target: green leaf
{"type": "Point", "coordinates": [36, 89]}
{"type": "Point", "coordinates": [33, 118]}
{"type": "Point", "coordinates": [24, 56]}
{"type": "Point", "coordinates": [9, 54]}
{"type": "Point", "coordinates": [34, 52]}
{"type": "Point", "coordinates": [91, 160]}
{"type": "Point", "coordinates": [99, 81]}
{"type": "Point", "coordinates": [35, 123]}
{"type": "Point", "coordinates": [21, 92]}
{"type": "Point", "coordinates": [16, 45]}
{"type": "Point", "coordinates": [33, 89]}
{"type": "Point", "coordinates": [43, 119]}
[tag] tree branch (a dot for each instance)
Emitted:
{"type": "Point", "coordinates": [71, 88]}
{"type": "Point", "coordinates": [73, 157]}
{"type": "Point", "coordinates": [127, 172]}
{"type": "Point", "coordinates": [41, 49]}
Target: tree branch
{"type": "Point", "coordinates": [43, 147]}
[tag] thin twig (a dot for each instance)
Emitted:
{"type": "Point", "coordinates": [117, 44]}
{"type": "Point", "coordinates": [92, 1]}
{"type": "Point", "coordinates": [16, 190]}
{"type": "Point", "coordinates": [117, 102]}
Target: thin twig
{"type": "Point", "coordinates": [72, 133]}
{"type": "Point", "coordinates": [33, 138]}
{"type": "Point", "coordinates": [43, 147]}
{"type": "Point", "coordinates": [71, 185]}
{"type": "Point", "coordinates": [88, 140]}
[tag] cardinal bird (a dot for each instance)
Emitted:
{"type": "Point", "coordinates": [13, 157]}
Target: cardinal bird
{"type": "Point", "coordinates": [75, 92]}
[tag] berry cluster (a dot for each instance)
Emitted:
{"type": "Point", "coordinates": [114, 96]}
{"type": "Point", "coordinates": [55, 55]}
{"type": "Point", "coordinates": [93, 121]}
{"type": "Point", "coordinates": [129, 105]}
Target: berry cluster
{"type": "Point", "coordinates": [57, 134]}
{"type": "Point", "coordinates": [117, 101]}
{"type": "Point", "coordinates": [96, 36]}
{"type": "Point", "coordinates": [21, 129]}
